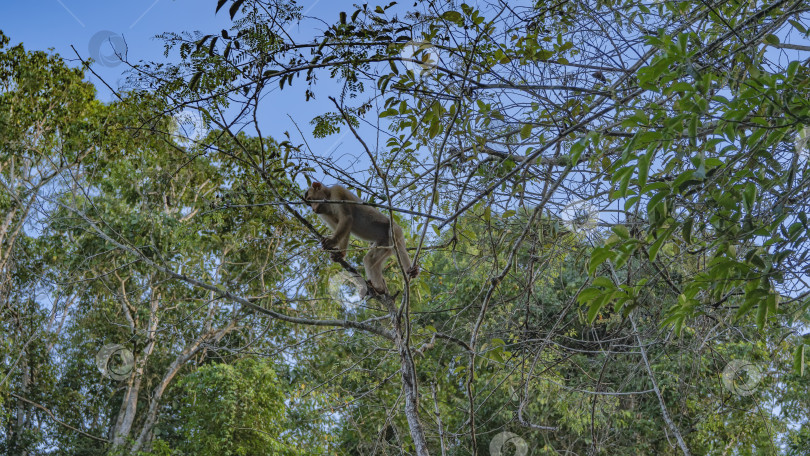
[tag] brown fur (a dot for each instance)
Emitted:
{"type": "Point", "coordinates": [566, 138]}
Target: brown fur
{"type": "Point", "coordinates": [366, 223]}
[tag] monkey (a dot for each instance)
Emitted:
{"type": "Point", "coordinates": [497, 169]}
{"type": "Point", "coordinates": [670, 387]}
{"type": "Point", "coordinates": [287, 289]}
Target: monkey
{"type": "Point", "coordinates": [366, 223]}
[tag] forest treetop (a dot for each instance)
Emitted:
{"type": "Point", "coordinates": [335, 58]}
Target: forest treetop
{"type": "Point", "coordinates": [608, 202]}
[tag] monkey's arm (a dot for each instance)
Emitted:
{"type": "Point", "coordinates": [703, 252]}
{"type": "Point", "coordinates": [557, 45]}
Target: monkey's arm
{"type": "Point", "coordinates": [340, 238]}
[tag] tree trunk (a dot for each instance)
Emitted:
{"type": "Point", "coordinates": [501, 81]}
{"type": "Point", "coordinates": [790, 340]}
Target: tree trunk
{"type": "Point", "coordinates": [409, 383]}
{"type": "Point", "coordinates": [157, 395]}
{"type": "Point", "coordinates": [17, 443]}
{"type": "Point", "coordinates": [145, 436]}
{"type": "Point", "coordinates": [129, 406]}
{"type": "Point", "coordinates": [126, 417]}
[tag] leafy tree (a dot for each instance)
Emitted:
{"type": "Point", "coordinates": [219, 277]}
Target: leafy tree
{"type": "Point", "coordinates": [49, 124]}
{"type": "Point", "coordinates": [674, 116]}
{"type": "Point", "coordinates": [232, 409]}
{"type": "Point", "coordinates": [608, 200]}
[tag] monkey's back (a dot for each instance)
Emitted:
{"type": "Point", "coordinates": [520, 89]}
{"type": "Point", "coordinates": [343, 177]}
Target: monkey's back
{"type": "Point", "coordinates": [373, 226]}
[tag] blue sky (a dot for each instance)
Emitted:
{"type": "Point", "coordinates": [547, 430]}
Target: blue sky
{"type": "Point", "coordinates": [58, 24]}
{"type": "Point", "coordinates": [91, 27]}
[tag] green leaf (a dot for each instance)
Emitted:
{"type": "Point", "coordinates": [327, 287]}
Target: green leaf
{"type": "Point", "coordinates": [597, 305]}
{"type": "Point", "coordinates": [639, 118]}
{"type": "Point", "coordinates": [643, 169]}
{"type": "Point", "coordinates": [235, 7]}
{"type": "Point", "coordinates": [687, 230]}
{"type": "Point", "coordinates": [625, 182]}
{"type": "Point", "coordinates": [593, 310]}
{"type": "Point", "coordinates": [525, 131]}
{"type": "Point", "coordinates": [677, 326]}
{"type": "Point", "coordinates": [772, 39]}
{"type": "Point", "coordinates": [683, 177]}
{"type": "Point", "coordinates": [630, 202]}
{"type": "Point", "coordinates": [798, 26]}
{"type": "Point", "coordinates": [453, 16]}
{"type": "Point", "coordinates": [435, 128]}
{"type": "Point", "coordinates": [656, 199]}
{"type": "Point", "coordinates": [621, 231]}
{"type": "Point", "coordinates": [751, 299]}
{"type": "Point", "coordinates": [798, 359]}
{"type": "Point", "coordinates": [603, 282]}
{"type": "Point", "coordinates": [625, 253]}
{"type": "Point", "coordinates": [656, 246]}
{"type": "Point", "coordinates": [762, 314]}
{"type": "Point", "coordinates": [195, 80]}
{"type": "Point", "coordinates": [749, 196]}
{"type": "Point", "coordinates": [598, 257]}
{"type": "Point", "coordinates": [588, 294]}
{"type": "Point", "coordinates": [576, 151]}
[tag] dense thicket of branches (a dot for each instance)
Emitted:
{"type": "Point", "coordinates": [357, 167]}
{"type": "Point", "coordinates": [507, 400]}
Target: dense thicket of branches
{"type": "Point", "coordinates": [607, 200]}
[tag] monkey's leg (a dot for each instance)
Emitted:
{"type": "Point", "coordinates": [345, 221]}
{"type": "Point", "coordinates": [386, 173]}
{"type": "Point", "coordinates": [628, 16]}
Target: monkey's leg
{"type": "Point", "coordinates": [373, 262]}
{"type": "Point", "coordinates": [410, 269]}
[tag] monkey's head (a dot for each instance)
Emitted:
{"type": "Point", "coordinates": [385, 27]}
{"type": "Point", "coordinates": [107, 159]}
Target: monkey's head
{"type": "Point", "coordinates": [316, 192]}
